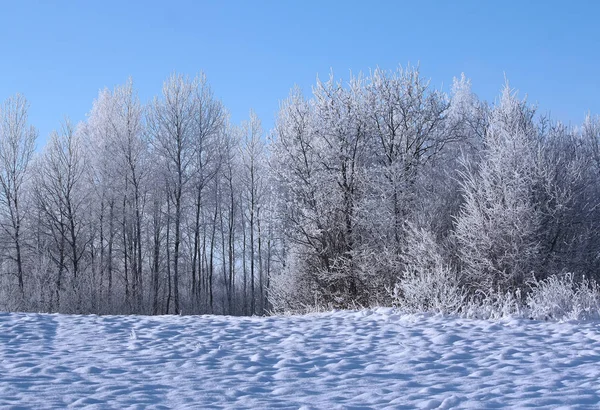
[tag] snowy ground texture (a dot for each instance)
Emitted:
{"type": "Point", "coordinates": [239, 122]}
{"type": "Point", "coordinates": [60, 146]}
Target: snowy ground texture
{"type": "Point", "coordinates": [367, 359]}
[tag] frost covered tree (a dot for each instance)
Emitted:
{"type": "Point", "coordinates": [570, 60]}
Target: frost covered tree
{"type": "Point", "coordinates": [226, 223]}
{"type": "Point", "coordinates": [408, 122]}
{"type": "Point", "coordinates": [341, 131]}
{"type": "Point", "coordinates": [591, 133]}
{"type": "Point", "coordinates": [254, 175]}
{"type": "Point", "coordinates": [354, 164]}
{"type": "Point", "coordinates": [497, 228]}
{"type": "Point", "coordinates": [171, 125]}
{"type": "Point", "coordinates": [119, 173]}
{"type": "Point", "coordinates": [98, 133]}
{"type": "Point", "coordinates": [132, 156]}
{"type": "Point", "coordinates": [461, 136]}
{"type": "Point", "coordinates": [297, 172]}
{"type": "Point", "coordinates": [188, 137]}
{"type": "Point", "coordinates": [209, 133]}
{"type": "Point", "coordinates": [409, 127]}
{"type": "Point", "coordinates": [61, 194]}
{"type": "Point", "coordinates": [580, 189]}
{"type": "Point", "coordinates": [17, 145]}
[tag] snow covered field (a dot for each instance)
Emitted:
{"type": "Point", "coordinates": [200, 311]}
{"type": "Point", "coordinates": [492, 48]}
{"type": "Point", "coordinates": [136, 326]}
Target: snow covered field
{"type": "Point", "coordinates": [374, 358]}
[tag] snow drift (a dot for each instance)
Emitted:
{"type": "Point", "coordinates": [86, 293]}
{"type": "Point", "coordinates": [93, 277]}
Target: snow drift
{"type": "Point", "coordinates": [371, 358]}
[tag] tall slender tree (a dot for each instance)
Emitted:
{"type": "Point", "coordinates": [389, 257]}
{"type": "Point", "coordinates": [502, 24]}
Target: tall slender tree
{"type": "Point", "coordinates": [17, 144]}
{"type": "Point", "coordinates": [253, 194]}
{"type": "Point", "coordinates": [62, 196]}
{"type": "Point", "coordinates": [171, 124]}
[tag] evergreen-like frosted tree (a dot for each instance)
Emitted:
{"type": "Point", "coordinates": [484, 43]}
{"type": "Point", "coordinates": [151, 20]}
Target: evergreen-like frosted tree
{"type": "Point", "coordinates": [497, 227]}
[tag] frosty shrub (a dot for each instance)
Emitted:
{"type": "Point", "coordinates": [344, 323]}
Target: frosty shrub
{"type": "Point", "coordinates": [435, 290]}
{"type": "Point", "coordinates": [428, 284]}
{"type": "Point", "coordinates": [493, 305]}
{"type": "Point", "coordinates": [564, 298]}
{"type": "Point", "coordinates": [293, 290]}
{"type": "Point", "coordinates": [282, 293]}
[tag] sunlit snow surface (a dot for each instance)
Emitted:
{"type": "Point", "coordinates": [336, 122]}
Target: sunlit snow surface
{"type": "Point", "coordinates": [367, 359]}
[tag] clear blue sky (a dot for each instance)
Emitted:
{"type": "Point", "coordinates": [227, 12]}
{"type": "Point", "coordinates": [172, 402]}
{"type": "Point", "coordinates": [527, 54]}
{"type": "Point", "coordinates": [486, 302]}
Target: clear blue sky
{"type": "Point", "coordinates": [61, 53]}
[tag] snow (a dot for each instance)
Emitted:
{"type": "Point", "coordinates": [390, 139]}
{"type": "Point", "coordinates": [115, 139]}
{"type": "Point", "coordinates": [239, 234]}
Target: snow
{"type": "Point", "coordinates": [372, 358]}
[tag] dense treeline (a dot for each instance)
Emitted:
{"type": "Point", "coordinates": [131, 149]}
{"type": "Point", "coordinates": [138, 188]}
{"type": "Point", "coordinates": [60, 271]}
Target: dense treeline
{"type": "Point", "coordinates": [369, 192]}
{"type": "Point", "coordinates": [140, 209]}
